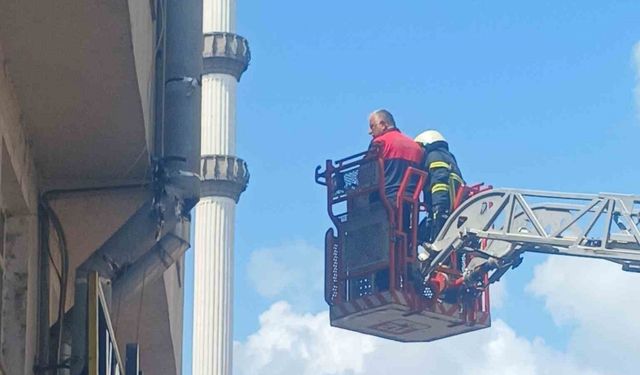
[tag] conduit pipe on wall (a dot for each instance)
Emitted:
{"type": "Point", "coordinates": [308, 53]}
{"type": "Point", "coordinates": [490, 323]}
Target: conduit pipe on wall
{"type": "Point", "coordinates": [158, 233]}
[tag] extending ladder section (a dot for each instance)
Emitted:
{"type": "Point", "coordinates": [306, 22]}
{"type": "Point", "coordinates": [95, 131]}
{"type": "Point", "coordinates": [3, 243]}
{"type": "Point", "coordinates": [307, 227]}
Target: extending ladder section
{"type": "Point", "coordinates": [498, 225]}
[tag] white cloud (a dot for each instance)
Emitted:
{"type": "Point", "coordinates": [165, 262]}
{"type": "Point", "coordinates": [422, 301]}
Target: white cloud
{"type": "Point", "coordinates": [595, 299]}
{"type": "Point", "coordinates": [498, 294]}
{"type": "Point", "coordinates": [636, 60]}
{"type": "Point", "coordinates": [600, 302]}
{"type": "Point", "coordinates": [288, 343]}
{"type": "Point", "coordinates": [293, 272]}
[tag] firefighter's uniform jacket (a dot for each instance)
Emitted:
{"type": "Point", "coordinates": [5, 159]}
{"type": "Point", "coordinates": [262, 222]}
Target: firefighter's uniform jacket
{"type": "Point", "coordinates": [444, 179]}
{"type": "Point", "coordinates": [444, 176]}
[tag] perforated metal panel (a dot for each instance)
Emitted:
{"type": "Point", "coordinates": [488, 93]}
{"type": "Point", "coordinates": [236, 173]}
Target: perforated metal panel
{"type": "Point", "coordinates": [366, 246]}
{"type": "Point", "coordinates": [366, 240]}
{"type": "Point", "coordinates": [360, 177]}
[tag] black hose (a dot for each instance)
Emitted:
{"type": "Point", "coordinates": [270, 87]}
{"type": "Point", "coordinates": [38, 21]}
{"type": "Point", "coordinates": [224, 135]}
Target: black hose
{"type": "Point", "coordinates": [64, 272]}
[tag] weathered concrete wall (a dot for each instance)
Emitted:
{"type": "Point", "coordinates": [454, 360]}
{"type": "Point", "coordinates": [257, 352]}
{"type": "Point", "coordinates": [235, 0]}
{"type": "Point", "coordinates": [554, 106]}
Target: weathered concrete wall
{"type": "Point", "coordinates": [153, 318]}
{"type": "Point", "coordinates": [17, 145]}
{"type": "Point", "coordinates": [19, 297]}
{"type": "Point", "coordinates": [142, 31]}
{"type": "Point", "coordinates": [18, 207]}
{"type": "Point", "coordinates": [79, 90]}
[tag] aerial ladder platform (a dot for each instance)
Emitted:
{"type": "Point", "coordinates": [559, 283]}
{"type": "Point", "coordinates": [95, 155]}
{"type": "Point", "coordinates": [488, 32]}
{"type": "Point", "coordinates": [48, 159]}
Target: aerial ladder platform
{"type": "Point", "coordinates": [376, 283]}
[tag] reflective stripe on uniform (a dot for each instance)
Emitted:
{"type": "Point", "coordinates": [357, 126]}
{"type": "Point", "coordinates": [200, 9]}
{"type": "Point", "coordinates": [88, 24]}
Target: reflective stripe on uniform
{"type": "Point", "coordinates": [439, 164]}
{"type": "Point", "coordinates": [439, 187]}
{"type": "Point", "coordinates": [456, 178]}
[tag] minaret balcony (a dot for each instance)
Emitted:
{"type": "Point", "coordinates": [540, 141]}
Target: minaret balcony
{"type": "Point", "coordinates": [225, 53]}
{"type": "Point", "coordinates": [223, 176]}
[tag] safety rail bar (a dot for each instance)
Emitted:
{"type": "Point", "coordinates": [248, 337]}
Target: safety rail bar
{"type": "Point", "coordinates": [337, 192]}
{"type": "Point", "coordinates": [410, 254]}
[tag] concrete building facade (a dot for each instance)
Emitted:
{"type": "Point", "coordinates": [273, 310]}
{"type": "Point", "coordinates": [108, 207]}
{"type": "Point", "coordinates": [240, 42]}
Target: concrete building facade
{"type": "Point", "coordinates": [80, 95]}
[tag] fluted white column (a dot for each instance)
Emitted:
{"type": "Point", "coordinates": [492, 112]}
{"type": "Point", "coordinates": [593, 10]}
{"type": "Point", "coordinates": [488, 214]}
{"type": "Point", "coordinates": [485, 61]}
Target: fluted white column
{"type": "Point", "coordinates": [219, 114]}
{"type": "Point", "coordinates": [219, 15]}
{"type": "Point", "coordinates": [226, 56]}
{"type": "Point", "coordinates": [213, 290]}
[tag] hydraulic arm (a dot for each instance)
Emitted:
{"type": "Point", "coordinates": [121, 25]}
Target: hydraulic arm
{"type": "Point", "coordinates": [497, 226]}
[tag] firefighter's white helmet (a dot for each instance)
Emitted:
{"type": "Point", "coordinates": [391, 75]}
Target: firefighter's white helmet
{"type": "Point", "coordinates": [428, 137]}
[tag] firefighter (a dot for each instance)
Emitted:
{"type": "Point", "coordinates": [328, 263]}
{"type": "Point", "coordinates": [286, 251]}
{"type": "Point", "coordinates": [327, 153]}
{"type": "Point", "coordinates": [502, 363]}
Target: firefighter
{"type": "Point", "coordinates": [444, 179]}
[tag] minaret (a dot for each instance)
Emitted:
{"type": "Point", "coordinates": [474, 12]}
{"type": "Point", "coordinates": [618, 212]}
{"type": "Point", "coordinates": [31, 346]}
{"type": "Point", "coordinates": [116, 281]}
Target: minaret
{"type": "Point", "coordinates": [225, 57]}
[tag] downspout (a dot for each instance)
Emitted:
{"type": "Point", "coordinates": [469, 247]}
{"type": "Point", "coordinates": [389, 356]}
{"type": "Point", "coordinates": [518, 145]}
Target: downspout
{"type": "Point", "coordinates": [43, 292]}
{"type": "Point", "coordinates": [158, 233]}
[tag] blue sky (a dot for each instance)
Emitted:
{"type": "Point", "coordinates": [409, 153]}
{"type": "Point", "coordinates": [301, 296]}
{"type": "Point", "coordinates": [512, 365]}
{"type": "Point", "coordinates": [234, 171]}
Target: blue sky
{"type": "Point", "coordinates": [533, 95]}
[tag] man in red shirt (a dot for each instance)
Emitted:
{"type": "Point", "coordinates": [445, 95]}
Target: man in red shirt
{"type": "Point", "coordinates": [398, 151]}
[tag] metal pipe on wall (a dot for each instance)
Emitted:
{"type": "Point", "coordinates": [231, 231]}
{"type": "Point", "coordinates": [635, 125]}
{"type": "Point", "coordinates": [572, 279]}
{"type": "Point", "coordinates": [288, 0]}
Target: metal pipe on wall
{"type": "Point", "coordinates": [42, 360]}
{"type": "Point", "coordinates": [176, 187]}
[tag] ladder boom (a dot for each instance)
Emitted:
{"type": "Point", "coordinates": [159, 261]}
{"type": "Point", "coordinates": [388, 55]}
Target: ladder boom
{"type": "Point", "coordinates": [510, 222]}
